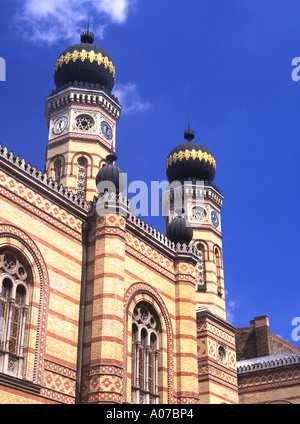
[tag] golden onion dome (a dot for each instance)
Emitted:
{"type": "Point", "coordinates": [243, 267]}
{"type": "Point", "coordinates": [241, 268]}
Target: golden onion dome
{"type": "Point", "coordinates": [190, 160]}
{"type": "Point", "coordinates": [85, 62]}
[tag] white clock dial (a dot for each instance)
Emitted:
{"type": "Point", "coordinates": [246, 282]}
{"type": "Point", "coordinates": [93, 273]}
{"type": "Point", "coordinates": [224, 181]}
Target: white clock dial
{"type": "Point", "coordinates": [60, 124]}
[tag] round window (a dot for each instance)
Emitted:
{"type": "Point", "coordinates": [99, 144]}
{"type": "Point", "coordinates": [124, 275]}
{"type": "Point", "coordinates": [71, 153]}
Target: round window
{"type": "Point", "coordinates": [84, 122]}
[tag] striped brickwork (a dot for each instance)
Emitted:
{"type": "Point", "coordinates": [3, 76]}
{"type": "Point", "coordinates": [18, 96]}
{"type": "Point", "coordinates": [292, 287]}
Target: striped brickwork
{"type": "Point", "coordinates": [217, 379]}
{"type": "Point", "coordinates": [211, 297]}
{"type": "Point", "coordinates": [39, 226]}
{"type": "Point", "coordinates": [126, 267]}
{"type": "Point", "coordinates": [104, 326]}
{"type": "Point", "coordinates": [280, 385]}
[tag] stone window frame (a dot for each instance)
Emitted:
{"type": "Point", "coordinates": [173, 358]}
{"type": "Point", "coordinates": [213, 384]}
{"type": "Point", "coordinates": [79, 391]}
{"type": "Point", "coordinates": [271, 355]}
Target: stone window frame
{"type": "Point", "coordinates": [201, 267]}
{"type": "Point", "coordinates": [82, 170]}
{"type": "Point", "coordinates": [56, 168]}
{"type": "Point", "coordinates": [57, 165]}
{"type": "Point", "coordinates": [220, 361]}
{"type": "Point", "coordinates": [145, 355]}
{"type": "Point", "coordinates": [218, 263]}
{"type": "Point", "coordinates": [87, 119]}
{"type": "Point", "coordinates": [15, 308]}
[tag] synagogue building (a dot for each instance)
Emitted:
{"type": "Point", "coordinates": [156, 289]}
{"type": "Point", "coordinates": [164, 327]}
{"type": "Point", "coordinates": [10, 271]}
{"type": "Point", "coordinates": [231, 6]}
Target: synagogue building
{"type": "Point", "coordinates": [97, 306]}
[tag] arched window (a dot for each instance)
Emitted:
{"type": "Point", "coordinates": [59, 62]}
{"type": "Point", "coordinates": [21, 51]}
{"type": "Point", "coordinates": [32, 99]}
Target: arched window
{"type": "Point", "coordinates": [81, 176]}
{"type": "Point", "coordinates": [218, 262]}
{"type": "Point", "coordinates": [57, 170]}
{"type": "Point", "coordinates": [145, 355]}
{"type": "Point", "coordinates": [201, 268]}
{"type": "Point", "coordinates": [14, 296]}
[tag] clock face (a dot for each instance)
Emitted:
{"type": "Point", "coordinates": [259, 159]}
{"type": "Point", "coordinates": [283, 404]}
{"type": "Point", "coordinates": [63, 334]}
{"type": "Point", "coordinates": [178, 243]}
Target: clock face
{"type": "Point", "coordinates": [106, 130]}
{"type": "Point", "coordinates": [214, 218]}
{"type": "Point", "coordinates": [60, 124]}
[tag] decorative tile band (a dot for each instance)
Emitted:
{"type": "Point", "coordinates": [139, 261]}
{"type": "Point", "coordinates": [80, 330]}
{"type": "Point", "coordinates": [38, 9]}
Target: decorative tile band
{"type": "Point", "coordinates": [85, 55]}
{"type": "Point", "coordinates": [193, 154]}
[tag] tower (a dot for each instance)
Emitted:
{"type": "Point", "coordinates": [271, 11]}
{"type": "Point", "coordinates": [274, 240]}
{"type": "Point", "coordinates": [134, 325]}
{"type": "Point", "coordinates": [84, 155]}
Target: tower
{"type": "Point", "coordinates": [192, 197]}
{"type": "Point", "coordinates": [82, 115]}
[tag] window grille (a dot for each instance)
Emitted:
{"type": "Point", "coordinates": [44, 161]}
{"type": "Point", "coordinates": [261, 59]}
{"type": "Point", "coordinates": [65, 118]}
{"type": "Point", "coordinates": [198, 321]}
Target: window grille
{"type": "Point", "coordinates": [145, 355]}
{"type": "Point", "coordinates": [201, 268]}
{"type": "Point", "coordinates": [14, 295]}
{"type": "Point", "coordinates": [81, 176]}
{"type": "Point", "coordinates": [57, 170]}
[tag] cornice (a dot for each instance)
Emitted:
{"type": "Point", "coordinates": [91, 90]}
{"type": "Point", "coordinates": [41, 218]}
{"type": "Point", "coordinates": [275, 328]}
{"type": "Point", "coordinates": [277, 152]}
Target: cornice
{"type": "Point", "coordinates": [41, 183]}
{"type": "Point", "coordinates": [204, 313]}
{"type": "Point", "coordinates": [20, 384]}
{"type": "Point", "coordinates": [143, 231]}
{"type": "Point", "coordinates": [268, 362]}
{"type": "Point", "coordinates": [198, 189]}
{"type": "Point", "coordinates": [82, 94]}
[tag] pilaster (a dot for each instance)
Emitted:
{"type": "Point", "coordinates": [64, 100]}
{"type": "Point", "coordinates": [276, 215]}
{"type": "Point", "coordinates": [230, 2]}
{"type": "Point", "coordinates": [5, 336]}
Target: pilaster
{"type": "Point", "coordinates": [216, 359]}
{"type": "Point", "coordinates": [185, 348]}
{"type": "Point", "coordinates": [104, 374]}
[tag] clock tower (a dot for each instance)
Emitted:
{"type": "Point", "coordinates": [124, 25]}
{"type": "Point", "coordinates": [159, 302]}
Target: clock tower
{"type": "Point", "coordinates": [191, 168]}
{"type": "Point", "coordinates": [82, 115]}
{"type": "Point", "coordinates": [193, 215]}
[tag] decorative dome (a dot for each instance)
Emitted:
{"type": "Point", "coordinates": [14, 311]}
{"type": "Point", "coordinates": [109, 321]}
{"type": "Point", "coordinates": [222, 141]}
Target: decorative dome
{"type": "Point", "coordinates": [85, 62]}
{"type": "Point", "coordinates": [190, 160]}
{"type": "Point", "coordinates": [179, 230]}
{"type": "Point", "coordinates": [111, 174]}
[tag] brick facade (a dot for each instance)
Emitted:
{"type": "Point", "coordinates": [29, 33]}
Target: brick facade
{"type": "Point", "coordinates": [92, 276]}
{"type": "Point", "coordinates": [268, 366]}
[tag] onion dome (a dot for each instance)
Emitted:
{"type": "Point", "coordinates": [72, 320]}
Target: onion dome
{"type": "Point", "coordinates": [110, 176]}
{"type": "Point", "coordinates": [85, 62]}
{"type": "Point", "coordinates": [179, 230]}
{"type": "Point", "coordinates": [190, 160]}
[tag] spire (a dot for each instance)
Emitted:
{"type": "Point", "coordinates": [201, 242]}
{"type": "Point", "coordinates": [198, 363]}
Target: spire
{"type": "Point", "coordinates": [87, 36]}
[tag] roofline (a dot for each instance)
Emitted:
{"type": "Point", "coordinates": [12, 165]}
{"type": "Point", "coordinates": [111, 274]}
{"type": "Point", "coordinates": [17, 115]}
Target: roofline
{"type": "Point", "coordinates": [268, 362]}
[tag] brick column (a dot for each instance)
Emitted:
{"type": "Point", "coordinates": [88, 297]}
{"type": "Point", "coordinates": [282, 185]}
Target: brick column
{"type": "Point", "coordinates": [107, 326]}
{"type": "Point", "coordinates": [185, 346]}
{"type": "Point", "coordinates": [216, 359]}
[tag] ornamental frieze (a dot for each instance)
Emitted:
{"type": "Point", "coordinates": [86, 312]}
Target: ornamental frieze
{"type": "Point", "coordinates": [85, 55]}
{"type": "Point", "coordinates": [38, 202]}
{"type": "Point", "coordinates": [150, 253]}
{"type": "Point", "coordinates": [204, 326]}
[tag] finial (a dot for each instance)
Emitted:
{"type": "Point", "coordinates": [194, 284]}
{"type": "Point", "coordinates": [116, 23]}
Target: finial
{"type": "Point", "coordinates": [87, 36]}
{"type": "Point", "coordinates": [189, 134]}
{"type": "Point", "coordinates": [112, 157]}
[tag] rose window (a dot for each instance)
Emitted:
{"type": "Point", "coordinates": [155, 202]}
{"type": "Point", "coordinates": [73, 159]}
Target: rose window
{"type": "Point", "coordinates": [84, 122]}
{"type": "Point", "coordinates": [198, 213]}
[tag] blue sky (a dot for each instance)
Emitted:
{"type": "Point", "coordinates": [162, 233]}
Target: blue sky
{"type": "Point", "coordinates": [225, 66]}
